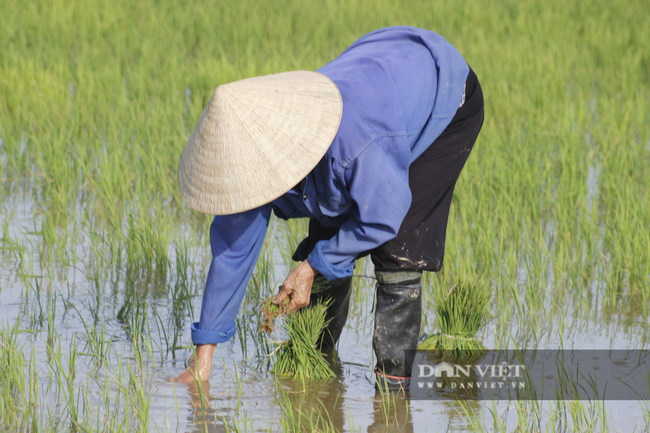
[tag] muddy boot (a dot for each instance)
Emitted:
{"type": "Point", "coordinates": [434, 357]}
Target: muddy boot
{"type": "Point", "coordinates": [339, 290]}
{"type": "Point", "coordinates": [398, 315]}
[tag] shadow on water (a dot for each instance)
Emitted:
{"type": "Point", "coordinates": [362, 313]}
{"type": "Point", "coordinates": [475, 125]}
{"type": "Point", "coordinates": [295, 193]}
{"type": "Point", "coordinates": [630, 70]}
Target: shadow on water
{"type": "Point", "coordinates": [321, 405]}
{"type": "Point", "coordinates": [315, 403]}
{"type": "Point", "coordinates": [391, 413]}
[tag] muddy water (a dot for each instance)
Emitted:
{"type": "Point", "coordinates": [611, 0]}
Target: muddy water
{"type": "Point", "coordinates": [240, 390]}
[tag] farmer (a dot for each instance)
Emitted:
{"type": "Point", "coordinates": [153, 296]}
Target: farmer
{"type": "Point", "coordinates": [369, 148]}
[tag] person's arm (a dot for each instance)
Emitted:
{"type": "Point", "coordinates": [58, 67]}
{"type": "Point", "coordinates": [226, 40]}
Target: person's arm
{"type": "Point", "coordinates": [236, 242]}
{"type": "Point", "coordinates": [379, 186]}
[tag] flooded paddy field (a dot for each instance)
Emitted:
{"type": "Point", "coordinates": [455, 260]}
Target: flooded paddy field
{"type": "Point", "coordinates": [102, 266]}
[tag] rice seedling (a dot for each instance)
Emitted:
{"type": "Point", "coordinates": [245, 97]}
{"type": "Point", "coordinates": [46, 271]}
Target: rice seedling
{"type": "Point", "coordinates": [17, 397]}
{"type": "Point", "coordinates": [299, 356]}
{"type": "Point", "coordinates": [461, 312]}
{"type": "Point", "coordinates": [263, 279]}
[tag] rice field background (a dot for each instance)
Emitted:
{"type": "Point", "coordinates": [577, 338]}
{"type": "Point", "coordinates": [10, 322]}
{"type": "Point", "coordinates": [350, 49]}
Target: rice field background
{"type": "Point", "coordinates": [102, 266]}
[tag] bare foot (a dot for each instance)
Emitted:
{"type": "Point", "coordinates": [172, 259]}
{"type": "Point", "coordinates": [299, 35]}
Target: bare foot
{"type": "Point", "coordinates": [200, 363]}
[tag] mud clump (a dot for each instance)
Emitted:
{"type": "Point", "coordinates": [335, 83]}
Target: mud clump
{"type": "Point", "coordinates": [270, 312]}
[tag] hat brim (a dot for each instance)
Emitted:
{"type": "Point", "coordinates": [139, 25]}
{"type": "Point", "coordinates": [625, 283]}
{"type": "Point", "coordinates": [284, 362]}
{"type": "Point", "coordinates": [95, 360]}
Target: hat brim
{"type": "Point", "coordinates": [256, 139]}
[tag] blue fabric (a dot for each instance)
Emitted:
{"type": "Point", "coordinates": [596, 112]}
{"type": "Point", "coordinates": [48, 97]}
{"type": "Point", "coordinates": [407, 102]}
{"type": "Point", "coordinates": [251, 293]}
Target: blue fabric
{"type": "Point", "coordinates": [401, 86]}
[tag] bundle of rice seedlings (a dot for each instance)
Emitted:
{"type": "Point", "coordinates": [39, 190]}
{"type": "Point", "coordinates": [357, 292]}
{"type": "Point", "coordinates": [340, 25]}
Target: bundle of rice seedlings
{"type": "Point", "coordinates": [299, 356]}
{"type": "Point", "coordinates": [461, 312]}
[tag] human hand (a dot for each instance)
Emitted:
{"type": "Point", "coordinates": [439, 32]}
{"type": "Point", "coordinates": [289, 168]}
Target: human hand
{"type": "Point", "coordinates": [298, 285]}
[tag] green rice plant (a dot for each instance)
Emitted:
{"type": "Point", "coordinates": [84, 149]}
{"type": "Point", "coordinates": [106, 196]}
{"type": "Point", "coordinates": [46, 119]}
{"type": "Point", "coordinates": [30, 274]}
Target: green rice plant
{"type": "Point", "coordinates": [19, 392]}
{"type": "Point", "coordinates": [262, 280]}
{"type": "Point", "coordinates": [299, 357]}
{"type": "Point", "coordinates": [290, 235]}
{"type": "Point", "coordinates": [461, 312]}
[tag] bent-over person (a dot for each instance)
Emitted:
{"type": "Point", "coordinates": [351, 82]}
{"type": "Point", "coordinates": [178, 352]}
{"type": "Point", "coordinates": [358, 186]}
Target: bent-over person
{"type": "Point", "coordinates": [369, 148]}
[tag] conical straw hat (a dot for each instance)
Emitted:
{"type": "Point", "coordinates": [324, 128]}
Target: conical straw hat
{"type": "Point", "coordinates": [256, 139]}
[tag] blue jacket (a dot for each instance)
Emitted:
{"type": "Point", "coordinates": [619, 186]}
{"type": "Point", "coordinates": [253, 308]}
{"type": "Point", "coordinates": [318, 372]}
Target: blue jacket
{"type": "Point", "coordinates": [401, 87]}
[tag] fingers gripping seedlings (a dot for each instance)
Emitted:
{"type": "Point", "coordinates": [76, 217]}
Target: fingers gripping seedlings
{"type": "Point", "coordinates": [298, 285]}
{"type": "Point", "coordinates": [270, 310]}
{"type": "Point", "coordinates": [299, 356]}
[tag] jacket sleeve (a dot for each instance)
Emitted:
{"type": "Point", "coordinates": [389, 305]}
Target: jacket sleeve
{"type": "Point", "coordinates": [236, 241]}
{"type": "Point", "coordinates": [379, 187]}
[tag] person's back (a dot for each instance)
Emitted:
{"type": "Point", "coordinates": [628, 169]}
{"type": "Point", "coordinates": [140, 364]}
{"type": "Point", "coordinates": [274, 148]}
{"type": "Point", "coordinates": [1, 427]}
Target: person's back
{"type": "Point", "coordinates": [391, 78]}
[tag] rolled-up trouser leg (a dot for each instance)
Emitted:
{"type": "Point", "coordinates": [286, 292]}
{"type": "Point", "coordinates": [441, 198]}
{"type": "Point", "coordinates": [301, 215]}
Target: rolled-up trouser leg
{"type": "Point", "coordinates": [398, 316]}
{"type": "Point", "coordinates": [337, 313]}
